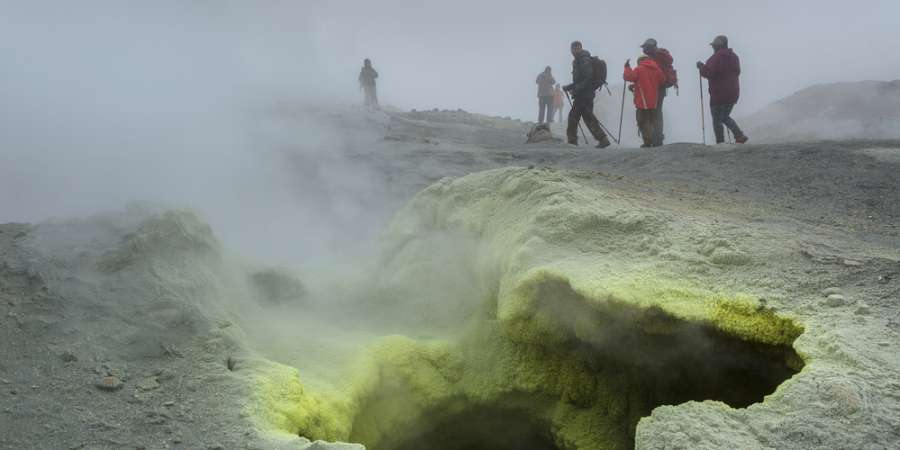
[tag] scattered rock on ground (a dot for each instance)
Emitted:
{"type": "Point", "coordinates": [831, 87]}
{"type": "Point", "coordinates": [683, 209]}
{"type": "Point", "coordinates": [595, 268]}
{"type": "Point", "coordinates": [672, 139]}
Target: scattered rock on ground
{"type": "Point", "coordinates": [68, 356]}
{"type": "Point", "coordinates": [832, 291]}
{"type": "Point", "coordinates": [541, 133]}
{"type": "Point", "coordinates": [110, 383]}
{"type": "Point", "coordinates": [148, 384]}
{"type": "Point", "coordinates": [835, 300]}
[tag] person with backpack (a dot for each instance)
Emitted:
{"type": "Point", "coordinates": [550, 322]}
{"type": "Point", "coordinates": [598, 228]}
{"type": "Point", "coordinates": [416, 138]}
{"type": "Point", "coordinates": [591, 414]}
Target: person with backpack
{"type": "Point", "coordinates": [545, 84]}
{"type": "Point", "coordinates": [647, 79]}
{"type": "Point", "coordinates": [558, 102]}
{"type": "Point", "coordinates": [367, 76]}
{"type": "Point", "coordinates": [664, 60]}
{"type": "Point", "coordinates": [588, 75]}
{"type": "Point", "coordinates": [723, 70]}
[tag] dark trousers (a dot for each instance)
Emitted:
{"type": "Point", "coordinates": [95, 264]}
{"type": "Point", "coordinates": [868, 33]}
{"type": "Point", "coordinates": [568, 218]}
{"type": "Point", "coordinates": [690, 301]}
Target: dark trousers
{"type": "Point", "coordinates": [545, 109]}
{"type": "Point", "coordinates": [721, 115]}
{"type": "Point", "coordinates": [659, 135]}
{"type": "Point", "coordinates": [583, 108]}
{"type": "Point", "coordinates": [646, 122]}
{"type": "Point", "coordinates": [371, 96]}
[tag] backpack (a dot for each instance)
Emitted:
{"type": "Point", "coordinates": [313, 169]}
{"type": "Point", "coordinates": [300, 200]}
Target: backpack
{"type": "Point", "coordinates": [599, 76]}
{"type": "Point", "coordinates": [668, 70]}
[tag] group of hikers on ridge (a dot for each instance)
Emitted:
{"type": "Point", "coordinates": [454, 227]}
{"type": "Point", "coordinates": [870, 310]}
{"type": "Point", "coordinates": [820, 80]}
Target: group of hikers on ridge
{"type": "Point", "coordinates": [650, 80]}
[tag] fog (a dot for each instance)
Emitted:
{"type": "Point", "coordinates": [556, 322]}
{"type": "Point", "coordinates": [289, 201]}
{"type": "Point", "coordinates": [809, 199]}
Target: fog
{"type": "Point", "coordinates": [105, 103]}
{"type": "Point", "coordinates": [484, 56]}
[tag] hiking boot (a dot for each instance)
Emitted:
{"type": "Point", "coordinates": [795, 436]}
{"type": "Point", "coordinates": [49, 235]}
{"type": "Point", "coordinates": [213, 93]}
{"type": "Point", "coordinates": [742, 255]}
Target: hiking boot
{"type": "Point", "coordinates": [604, 142]}
{"type": "Point", "coordinates": [741, 139]}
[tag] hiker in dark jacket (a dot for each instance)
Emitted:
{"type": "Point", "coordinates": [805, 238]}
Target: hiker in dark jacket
{"type": "Point", "coordinates": [664, 60]}
{"type": "Point", "coordinates": [582, 88]}
{"type": "Point", "coordinates": [545, 84]}
{"type": "Point", "coordinates": [723, 70]}
{"type": "Point", "coordinates": [367, 76]}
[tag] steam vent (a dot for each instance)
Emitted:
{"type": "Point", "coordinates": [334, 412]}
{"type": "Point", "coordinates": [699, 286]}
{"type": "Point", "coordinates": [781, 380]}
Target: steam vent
{"type": "Point", "coordinates": [569, 314]}
{"type": "Point", "coordinates": [505, 308]}
{"type": "Point", "coordinates": [414, 225]}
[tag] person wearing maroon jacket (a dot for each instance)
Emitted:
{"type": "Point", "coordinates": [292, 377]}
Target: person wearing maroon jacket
{"type": "Point", "coordinates": [664, 60]}
{"type": "Point", "coordinates": [647, 78]}
{"type": "Point", "coordinates": [723, 70]}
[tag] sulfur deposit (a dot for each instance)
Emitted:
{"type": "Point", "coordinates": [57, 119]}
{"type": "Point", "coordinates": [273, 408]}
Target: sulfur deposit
{"type": "Point", "coordinates": [686, 298]}
{"type": "Point", "coordinates": [593, 309]}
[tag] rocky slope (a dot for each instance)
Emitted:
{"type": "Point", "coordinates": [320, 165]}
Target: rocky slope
{"type": "Point", "coordinates": [861, 110]}
{"type": "Point", "coordinates": [682, 297]}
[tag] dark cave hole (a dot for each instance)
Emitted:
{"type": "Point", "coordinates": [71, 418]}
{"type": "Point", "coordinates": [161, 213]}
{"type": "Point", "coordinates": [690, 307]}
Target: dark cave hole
{"type": "Point", "coordinates": [666, 360]}
{"type": "Point", "coordinates": [483, 428]}
{"type": "Point", "coordinates": [689, 360]}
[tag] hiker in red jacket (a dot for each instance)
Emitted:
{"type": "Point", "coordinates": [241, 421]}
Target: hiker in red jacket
{"type": "Point", "coordinates": [664, 60]}
{"type": "Point", "coordinates": [723, 70]}
{"type": "Point", "coordinates": [647, 79]}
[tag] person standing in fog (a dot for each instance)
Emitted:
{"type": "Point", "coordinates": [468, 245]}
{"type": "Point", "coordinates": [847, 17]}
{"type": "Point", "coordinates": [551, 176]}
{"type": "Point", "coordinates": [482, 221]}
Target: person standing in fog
{"type": "Point", "coordinates": [583, 91]}
{"type": "Point", "coordinates": [723, 70]}
{"type": "Point", "coordinates": [558, 102]}
{"type": "Point", "coordinates": [647, 78]}
{"type": "Point", "coordinates": [367, 76]}
{"type": "Point", "coordinates": [545, 84]}
{"type": "Point", "coordinates": [664, 60]}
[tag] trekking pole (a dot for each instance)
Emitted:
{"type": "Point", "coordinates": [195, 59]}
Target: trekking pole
{"type": "Point", "coordinates": [608, 133]}
{"type": "Point", "coordinates": [607, 89]}
{"type": "Point", "coordinates": [622, 111]}
{"type": "Point", "coordinates": [702, 109]}
{"type": "Point", "coordinates": [579, 119]}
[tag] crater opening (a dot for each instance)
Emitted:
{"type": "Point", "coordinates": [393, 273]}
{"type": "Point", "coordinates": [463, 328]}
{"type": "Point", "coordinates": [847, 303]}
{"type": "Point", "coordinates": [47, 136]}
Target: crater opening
{"type": "Point", "coordinates": [477, 428]}
{"type": "Point", "coordinates": [673, 361]}
{"type": "Point", "coordinates": [586, 392]}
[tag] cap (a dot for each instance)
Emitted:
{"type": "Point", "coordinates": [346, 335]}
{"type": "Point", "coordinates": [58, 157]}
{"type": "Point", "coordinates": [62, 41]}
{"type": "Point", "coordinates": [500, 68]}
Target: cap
{"type": "Point", "coordinates": [649, 43]}
{"type": "Point", "coordinates": [720, 41]}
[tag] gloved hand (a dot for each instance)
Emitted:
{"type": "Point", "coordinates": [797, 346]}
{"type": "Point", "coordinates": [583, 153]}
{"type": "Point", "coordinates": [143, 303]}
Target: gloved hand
{"type": "Point", "coordinates": [568, 87]}
{"type": "Point", "coordinates": [631, 87]}
{"type": "Point", "coordinates": [700, 65]}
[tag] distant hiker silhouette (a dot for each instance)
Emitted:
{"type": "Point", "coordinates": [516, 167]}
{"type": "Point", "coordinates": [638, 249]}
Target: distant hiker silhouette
{"type": "Point", "coordinates": [558, 102]}
{"type": "Point", "coordinates": [545, 84]}
{"type": "Point", "coordinates": [367, 76]}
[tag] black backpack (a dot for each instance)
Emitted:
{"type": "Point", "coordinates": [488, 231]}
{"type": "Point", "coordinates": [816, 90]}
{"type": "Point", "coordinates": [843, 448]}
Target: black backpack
{"type": "Point", "coordinates": [599, 76]}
